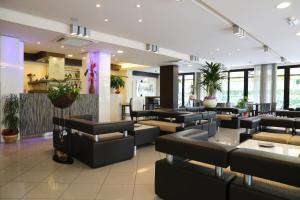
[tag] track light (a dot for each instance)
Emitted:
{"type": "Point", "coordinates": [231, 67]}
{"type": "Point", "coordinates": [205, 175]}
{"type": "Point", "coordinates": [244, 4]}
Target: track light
{"type": "Point", "coordinates": [79, 31]}
{"type": "Point", "coordinates": [283, 59]}
{"type": "Point", "coordinates": [194, 58]}
{"type": "Point", "coordinates": [267, 49]}
{"type": "Point", "coordinates": [152, 47]}
{"type": "Point", "coordinates": [238, 31]}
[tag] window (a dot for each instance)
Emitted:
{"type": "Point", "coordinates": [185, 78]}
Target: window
{"type": "Point", "coordinates": [294, 100]}
{"type": "Point", "coordinates": [222, 97]}
{"type": "Point", "coordinates": [185, 89]}
{"type": "Point", "coordinates": [280, 89]}
{"type": "Point", "coordinates": [251, 84]}
{"type": "Point", "coordinates": [236, 88]}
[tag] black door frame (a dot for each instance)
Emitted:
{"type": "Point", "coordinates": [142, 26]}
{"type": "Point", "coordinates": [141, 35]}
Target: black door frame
{"type": "Point", "coordinates": [183, 84]}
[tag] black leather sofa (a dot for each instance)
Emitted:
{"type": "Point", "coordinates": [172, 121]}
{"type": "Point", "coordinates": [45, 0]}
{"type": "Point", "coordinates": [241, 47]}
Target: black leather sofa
{"type": "Point", "coordinates": [95, 144]}
{"type": "Point", "coordinates": [287, 113]}
{"type": "Point", "coordinates": [171, 121]}
{"type": "Point", "coordinates": [229, 117]}
{"type": "Point", "coordinates": [273, 129]}
{"type": "Point", "coordinates": [176, 178]}
{"type": "Point", "coordinates": [195, 169]}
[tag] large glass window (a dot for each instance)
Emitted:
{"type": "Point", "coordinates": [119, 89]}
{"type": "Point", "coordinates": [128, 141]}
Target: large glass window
{"type": "Point", "coordinates": [185, 89]}
{"type": "Point", "coordinates": [222, 96]}
{"type": "Point", "coordinates": [294, 88]}
{"type": "Point", "coordinates": [251, 86]}
{"type": "Point", "coordinates": [280, 89]}
{"type": "Point", "coordinates": [236, 89]}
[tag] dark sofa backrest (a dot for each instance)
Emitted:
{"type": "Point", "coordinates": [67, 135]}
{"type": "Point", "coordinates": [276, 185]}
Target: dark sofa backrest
{"type": "Point", "coordinates": [266, 165]}
{"type": "Point", "coordinates": [285, 113]}
{"type": "Point", "coordinates": [278, 122]}
{"type": "Point", "coordinates": [94, 128]}
{"type": "Point", "coordinates": [186, 146]}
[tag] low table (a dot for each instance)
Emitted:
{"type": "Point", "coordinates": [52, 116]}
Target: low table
{"type": "Point", "coordinates": [144, 134]}
{"type": "Point", "coordinates": [281, 149]}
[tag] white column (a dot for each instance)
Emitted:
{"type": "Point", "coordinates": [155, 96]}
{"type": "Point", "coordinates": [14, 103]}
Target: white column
{"type": "Point", "coordinates": [11, 68]}
{"type": "Point", "coordinates": [102, 83]}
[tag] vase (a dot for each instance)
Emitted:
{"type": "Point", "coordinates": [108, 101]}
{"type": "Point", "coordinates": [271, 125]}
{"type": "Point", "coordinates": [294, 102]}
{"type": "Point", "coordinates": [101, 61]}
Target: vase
{"type": "Point", "coordinates": [117, 91]}
{"type": "Point", "coordinates": [210, 102]}
{"type": "Point", "coordinates": [9, 136]}
{"type": "Point", "coordinates": [92, 88]}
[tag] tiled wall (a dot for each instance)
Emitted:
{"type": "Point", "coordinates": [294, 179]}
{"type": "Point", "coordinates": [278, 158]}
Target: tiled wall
{"type": "Point", "coordinates": [36, 112]}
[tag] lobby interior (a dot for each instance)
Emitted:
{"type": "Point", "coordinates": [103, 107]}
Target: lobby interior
{"type": "Point", "coordinates": [160, 99]}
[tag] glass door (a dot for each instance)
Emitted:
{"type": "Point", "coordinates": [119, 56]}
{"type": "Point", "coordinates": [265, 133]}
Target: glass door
{"type": "Point", "coordinates": [185, 89]}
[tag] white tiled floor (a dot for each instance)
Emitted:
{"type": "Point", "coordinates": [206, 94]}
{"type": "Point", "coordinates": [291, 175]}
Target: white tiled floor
{"type": "Point", "coordinates": [28, 172]}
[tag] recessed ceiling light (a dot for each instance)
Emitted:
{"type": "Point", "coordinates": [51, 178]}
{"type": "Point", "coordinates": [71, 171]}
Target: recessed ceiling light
{"type": "Point", "coordinates": [298, 34]}
{"type": "Point", "coordinates": [106, 20]}
{"type": "Point", "coordinates": [62, 46]}
{"type": "Point", "coordinates": [98, 5]}
{"type": "Point", "coordinates": [218, 49]}
{"type": "Point", "coordinates": [238, 49]}
{"type": "Point", "coordinates": [283, 5]}
{"type": "Point", "coordinates": [82, 50]}
{"type": "Point", "coordinates": [113, 55]}
{"type": "Point", "coordinates": [120, 51]}
{"type": "Point", "coordinates": [140, 20]}
{"type": "Point", "coordinates": [38, 42]}
{"type": "Point", "coordinates": [70, 55]}
{"type": "Point", "coordinates": [138, 5]}
{"type": "Point", "coordinates": [178, 0]}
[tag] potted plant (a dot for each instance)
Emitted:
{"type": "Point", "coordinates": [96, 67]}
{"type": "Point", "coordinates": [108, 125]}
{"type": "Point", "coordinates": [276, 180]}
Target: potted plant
{"type": "Point", "coordinates": [116, 82]}
{"type": "Point", "coordinates": [211, 82]}
{"type": "Point", "coordinates": [242, 103]}
{"type": "Point", "coordinates": [92, 73]}
{"type": "Point", "coordinates": [63, 95]}
{"type": "Point", "coordinates": [11, 118]}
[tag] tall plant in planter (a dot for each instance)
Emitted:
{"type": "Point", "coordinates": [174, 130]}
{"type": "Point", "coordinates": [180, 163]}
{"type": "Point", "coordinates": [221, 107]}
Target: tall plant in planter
{"type": "Point", "coordinates": [92, 72]}
{"type": "Point", "coordinates": [116, 82]}
{"type": "Point", "coordinates": [11, 119]}
{"type": "Point", "coordinates": [212, 76]}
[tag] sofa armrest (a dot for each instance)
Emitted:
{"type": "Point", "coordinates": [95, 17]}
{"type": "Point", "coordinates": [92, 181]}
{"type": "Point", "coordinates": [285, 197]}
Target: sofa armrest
{"type": "Point", "coordinates": [188, 118]}
{"type": "Point", "coordinates": [250, 123]}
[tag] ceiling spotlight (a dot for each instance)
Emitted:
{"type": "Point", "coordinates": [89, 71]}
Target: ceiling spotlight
{"type": "Point", "coordinates": [152, 47]}
{"type": "Point", "coordinates": [298, 34]}
{"type": "Point", "coordinates": [138, 5]}
{"type": "Point", "coordinates": [283, 5]}
{"type": "Point", "coordinates": [70, 55]}
{"type": "Point", "coordinates": [238, 49]}
{"type": "Point", "coordinates": [293, 21]}
{"type": "Point", "coordinates": [82, 50]}
{"type": "Point", "coordinates": [238, 31]}
{"type": "Point", "coordinates": [178, 0]}
{"type": "Point", "coordinates": [38, 42]}
{"type": "Point", "coordinates": [113, 55]}
{"type": "Point", "coordinates": [106, 20]}
{"type": "Point", "coordinates": [218, 49]}
{"type": "Point", "coordinates": [283, 59]}
{"type": "Point", "coordinates": [98, 5]}
{"type": "Point", "coordinates": [140, 20]}
{"type": "Point", "coordinates": [120, 51]}
{"type": "Point", "coordinates": [267, 49]}
{"type": "Point", "coordinates": [62, 46]}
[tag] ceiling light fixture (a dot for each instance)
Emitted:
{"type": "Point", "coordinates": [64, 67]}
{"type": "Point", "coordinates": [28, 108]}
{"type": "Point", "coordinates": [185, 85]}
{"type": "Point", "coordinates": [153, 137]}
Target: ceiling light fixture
{"type": "Point", "coordinates": [120, 51]}
{"type": "Point", "coordinates": [62, 46]}
{"type": "Point", "coordinates": [238, 31]}
{"type": "Point", "coordinates": [298, 34]}
{"type": "Point", "coordinates": [283, 5]}
{"type": "Point", "coordinates": [238, 49]}
{"type": "Point", "coordinates": [70, 55]}
{"type": "Point", "coordinates": [293, 21]}
{"type": "Point", "coordinates": [267, 49]}
{"type": "Point", "coordinates": [106, 20]}
{"type": "Point", "coordinates": [79, 31]}
{"type": "Point", "coordinates": [218, 49]}
{"type": "Point", "coordinates": [82, 50]}
{"type": "Point", "coordinates": [152, 47]}
{"type": "Point", "coordinates": [283, 59]}
{"type": "Point", "coordinates": [140, 20]}
{"type": "Point", "coordinates": [98, 5]}
{"type": "Point", "coordinates": [38, 42]}
{"type": "Point", "coordinates": [138, 5]}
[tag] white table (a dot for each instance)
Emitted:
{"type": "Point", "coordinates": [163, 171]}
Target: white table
{"type": "Point", "coordinates": [282, 149]}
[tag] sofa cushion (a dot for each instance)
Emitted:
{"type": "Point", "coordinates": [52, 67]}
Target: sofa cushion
{"type": "Point", "coordinates": [224, 117]}
{"type": "Point", "coordinates": [164, 126]}
{"type": "Point", "coordinates": [295, 140]}
{"type": "Point", "coordinates": [273, 137]}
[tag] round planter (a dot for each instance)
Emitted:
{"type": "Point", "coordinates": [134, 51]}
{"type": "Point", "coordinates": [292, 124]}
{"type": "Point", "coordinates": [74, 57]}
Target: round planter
{"type": "Point", "coordinates": [8, 139]}
{"type": "Point", "coordinates": [64, 101]}
{"type": "Point", "coordinates": [210, 102]}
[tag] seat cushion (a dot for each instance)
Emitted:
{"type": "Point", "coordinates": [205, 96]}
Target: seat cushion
{"type": "Point", "coordinates": [224, 117]}
{"type": "Point", "coordinates": [273, 137]}
{"type": "Point", "coordinates": [295, 140]}
{"type": "Point", "coordinates": [164, 126]}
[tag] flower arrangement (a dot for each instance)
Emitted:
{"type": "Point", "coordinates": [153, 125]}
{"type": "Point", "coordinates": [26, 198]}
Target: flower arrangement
{"type": "Point", "coordinates": [92, 73]}
{"type": "Point", "coordinates": [63, 95]}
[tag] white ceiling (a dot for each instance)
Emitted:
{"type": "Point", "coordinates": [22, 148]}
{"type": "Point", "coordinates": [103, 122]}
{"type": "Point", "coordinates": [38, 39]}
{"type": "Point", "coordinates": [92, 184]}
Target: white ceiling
{"type": "Point", "coordinates": [181, 26]}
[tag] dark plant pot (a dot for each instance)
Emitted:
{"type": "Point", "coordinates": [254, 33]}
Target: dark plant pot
{"type": "Point", "coordinates": [64, 101]}
{"type": "Point", "coordinates": [92, 88]}
{"type": "Point", "coordinates": [9, 136]}
{"type": "Point", "coordinates": [117, 91]}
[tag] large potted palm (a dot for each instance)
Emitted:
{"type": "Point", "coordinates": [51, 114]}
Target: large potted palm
{"type": "Point", "coordinates": [11, 118]}
{"type": "Point", "coordinates": [212, 75]}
